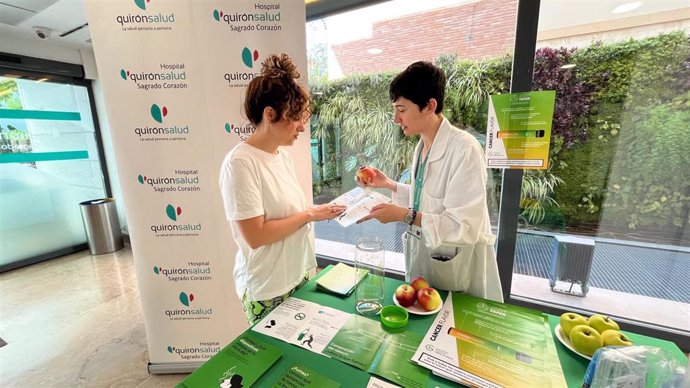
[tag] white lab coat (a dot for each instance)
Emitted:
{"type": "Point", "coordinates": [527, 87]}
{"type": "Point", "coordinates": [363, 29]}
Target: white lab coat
{"type": "Point", "coordinates": [456, 218]}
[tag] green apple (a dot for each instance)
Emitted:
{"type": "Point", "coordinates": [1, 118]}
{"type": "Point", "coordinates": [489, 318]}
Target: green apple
{"type": "Point", "coordinates": [615, 338]}
{"type": "Point", "coordinates": [585, 339]}
{"type": "Point", "coordinates": [601, 323]}
{"type": "Point", "coordinates": [570, 320]}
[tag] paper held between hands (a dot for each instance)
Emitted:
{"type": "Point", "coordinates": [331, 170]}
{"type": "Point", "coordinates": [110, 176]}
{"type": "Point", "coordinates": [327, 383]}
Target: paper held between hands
{"type": "Point", "coordinates": [359, 202]}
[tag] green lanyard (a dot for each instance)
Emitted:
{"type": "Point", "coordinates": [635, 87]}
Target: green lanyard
{"type": "Point", "coordinates": [419, 178]}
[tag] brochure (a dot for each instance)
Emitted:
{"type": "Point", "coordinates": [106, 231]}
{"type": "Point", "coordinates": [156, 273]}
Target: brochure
{"type": "Point", "coordinates": [553, 363]}
{"type": "Point", "coordinates": [358, 202]}
{"type": "Point", "coordinates": [519, 130]}
{"type": "Point", "coordinates": [483, 343]}
{"type": "Point", "coordinates": [241, 363]}
{"type": "Point", "coordinates": [341, 279]}
{"type": "Point", "coordinates": [363, 343]}
{"type": "Point", "coordinates": [299, 376]}
{"type": "Point", "coordinates": [350, 338]}
{"type": "Point", "coordinates": [303, 323]}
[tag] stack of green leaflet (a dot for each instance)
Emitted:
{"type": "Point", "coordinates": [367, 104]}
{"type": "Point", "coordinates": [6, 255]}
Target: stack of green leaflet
{"type": "Point", "coordinates": [241, 363]}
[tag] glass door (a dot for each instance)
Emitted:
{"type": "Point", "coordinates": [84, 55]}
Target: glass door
{"type": "Point", "coordinates": [49, 163]}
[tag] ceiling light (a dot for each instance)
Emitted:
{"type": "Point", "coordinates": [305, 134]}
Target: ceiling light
{"type": "Point", "coordinates": [627, 7]}
{"type": "Point", "coordinates": [42, 80]}
{"type": "Point", "coordinates": [568, 66]}
{"type": "Point", "coordinates": [374, 51]}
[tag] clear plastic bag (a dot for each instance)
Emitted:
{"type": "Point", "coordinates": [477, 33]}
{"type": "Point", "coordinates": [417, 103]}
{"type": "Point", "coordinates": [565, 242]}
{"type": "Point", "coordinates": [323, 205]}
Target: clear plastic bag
{"type": "Point", "coordinates": [635, 367]}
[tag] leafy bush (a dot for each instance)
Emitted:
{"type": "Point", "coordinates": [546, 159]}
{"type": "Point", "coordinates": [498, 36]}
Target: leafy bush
{"type": "Point", "coordinates": [358, 111]}
{"type": "Point", "coordinates": [573, 94]}
{"type": "Point", "coordinates": [619, 139]}
{"type": "Point", "coordinates": [648, 184]}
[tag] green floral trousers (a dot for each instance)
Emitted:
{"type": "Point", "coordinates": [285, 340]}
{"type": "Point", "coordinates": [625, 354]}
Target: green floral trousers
{"type": "Point", "coordinates": [257, 310]}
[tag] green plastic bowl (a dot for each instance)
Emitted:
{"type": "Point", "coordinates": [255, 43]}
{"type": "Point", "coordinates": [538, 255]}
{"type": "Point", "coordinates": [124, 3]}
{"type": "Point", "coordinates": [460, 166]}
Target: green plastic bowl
{"type": "Point", "coordinates": [394, 316]}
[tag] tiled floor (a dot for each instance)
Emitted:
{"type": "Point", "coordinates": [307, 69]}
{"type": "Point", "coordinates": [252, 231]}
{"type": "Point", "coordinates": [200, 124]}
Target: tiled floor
{"type": "Point", "coordinates": [76, 321]}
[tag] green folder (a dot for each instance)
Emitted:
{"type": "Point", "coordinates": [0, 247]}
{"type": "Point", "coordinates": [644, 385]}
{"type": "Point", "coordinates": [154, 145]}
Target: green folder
{"type": "Point", "coordinates": [241, 363]}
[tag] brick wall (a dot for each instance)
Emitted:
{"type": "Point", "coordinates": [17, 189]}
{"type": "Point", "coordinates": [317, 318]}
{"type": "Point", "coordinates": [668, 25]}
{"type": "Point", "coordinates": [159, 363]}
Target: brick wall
{"type": "Point", "coordinates": [477, 30]}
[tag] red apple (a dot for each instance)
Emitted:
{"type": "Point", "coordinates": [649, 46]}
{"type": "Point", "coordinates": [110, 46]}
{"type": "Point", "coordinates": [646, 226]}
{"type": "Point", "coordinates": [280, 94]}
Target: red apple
{"type": "Point", "coordinates": [405, 295]}
{"type": "Point", "coordinates": [365, 174]}
{"type": "Point", "coordinates": [418, 283]}
{"type": "Point", "coordinates": [428, 299]}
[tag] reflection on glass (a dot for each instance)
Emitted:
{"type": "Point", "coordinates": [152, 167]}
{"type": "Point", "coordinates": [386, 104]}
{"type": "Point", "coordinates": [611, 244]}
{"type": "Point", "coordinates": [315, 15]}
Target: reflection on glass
{"type": "Point", "coordinates": [617, 176]}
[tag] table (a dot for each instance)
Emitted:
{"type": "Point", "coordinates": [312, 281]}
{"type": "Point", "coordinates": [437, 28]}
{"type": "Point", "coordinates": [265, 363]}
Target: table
{"type": "Point", "coordinates": [573, 365]}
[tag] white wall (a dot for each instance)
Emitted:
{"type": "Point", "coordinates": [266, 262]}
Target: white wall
{"type": "Point", "coordinates": [617, 35]}
{"type": "Point", "coordinates": [16, 41]}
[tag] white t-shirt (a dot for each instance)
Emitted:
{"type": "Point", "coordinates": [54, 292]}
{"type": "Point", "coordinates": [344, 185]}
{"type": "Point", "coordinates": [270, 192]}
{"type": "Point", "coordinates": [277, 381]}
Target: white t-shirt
{"type": "Point", "coordinates": [254, 183]}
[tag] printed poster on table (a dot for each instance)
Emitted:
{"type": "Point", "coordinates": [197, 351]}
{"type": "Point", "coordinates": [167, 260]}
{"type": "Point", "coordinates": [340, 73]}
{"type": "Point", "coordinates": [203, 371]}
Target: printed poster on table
{"type": "Point", "coordinates": [518, 131]}
{"type": "Point", "coordinates": [483, 343]}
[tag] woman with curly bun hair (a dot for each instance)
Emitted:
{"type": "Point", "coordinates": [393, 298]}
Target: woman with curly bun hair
{"type": "Point", "coordinates": [266, 207]}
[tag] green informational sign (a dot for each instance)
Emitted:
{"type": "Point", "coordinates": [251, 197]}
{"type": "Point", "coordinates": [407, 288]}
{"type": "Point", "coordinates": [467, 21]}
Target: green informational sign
{"type": "Point", "coordinates": [518, 131]}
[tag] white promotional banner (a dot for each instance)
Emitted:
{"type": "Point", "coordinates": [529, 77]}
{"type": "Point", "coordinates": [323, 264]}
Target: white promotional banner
{"type": "Point", "coordinates": [173, 75]}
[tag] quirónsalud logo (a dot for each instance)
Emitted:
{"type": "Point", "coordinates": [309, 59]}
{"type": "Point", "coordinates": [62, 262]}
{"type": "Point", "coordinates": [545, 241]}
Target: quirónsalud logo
{"type": "Point", "coordinates": [171, 349]}
{"type": "Point", "coordinates": [124, 74]}
{"type": "Point", "coordinates": [157, 113]}
{"type": "Point", "coordinates": [141, 179]}
{"type": "Point", "coordinates": [243, 131]}
{"type": "Point", "coordinates": [173, 212]}
{"type": "Point", "coordinates": [141, 3]}
{"type": "Point", "coordinates": [186, 299]}
{"type": "Point", "coordinates": [249, 57]}
{"type": "Point", "coordinates": [217, 15]}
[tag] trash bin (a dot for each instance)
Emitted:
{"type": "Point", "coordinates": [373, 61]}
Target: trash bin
{"type": "Point", "coordinates": [101, 225]}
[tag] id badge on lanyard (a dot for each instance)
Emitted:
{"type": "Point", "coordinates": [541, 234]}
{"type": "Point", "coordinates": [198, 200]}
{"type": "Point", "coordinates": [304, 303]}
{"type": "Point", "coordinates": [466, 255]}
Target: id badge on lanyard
{"type": "Point", "coordinates": [418, 184]}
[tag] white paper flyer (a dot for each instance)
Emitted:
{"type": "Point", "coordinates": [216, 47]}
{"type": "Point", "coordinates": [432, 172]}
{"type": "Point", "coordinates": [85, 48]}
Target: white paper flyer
{"type": "Point", "coordinates": [303, 323]}
{"type": "Point", "coordinates": [359, 202]}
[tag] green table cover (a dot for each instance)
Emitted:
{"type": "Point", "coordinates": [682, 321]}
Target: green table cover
{"type": "Point", "coordinates": [573, 365]}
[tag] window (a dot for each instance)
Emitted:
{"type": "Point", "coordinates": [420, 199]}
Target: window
{"type": "Point", "coordinates": [610, 234]}
{"type": "Point", "coordinates": [352, 58]}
